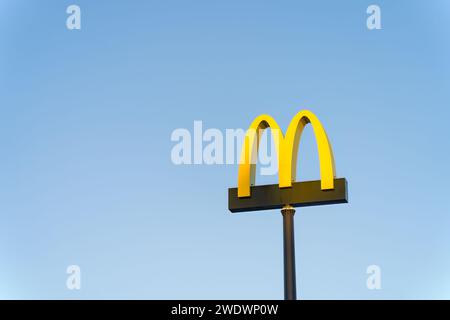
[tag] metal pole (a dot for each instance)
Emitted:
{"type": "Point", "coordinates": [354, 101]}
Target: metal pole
{"type": "Point", "coordinates": [290, 291]}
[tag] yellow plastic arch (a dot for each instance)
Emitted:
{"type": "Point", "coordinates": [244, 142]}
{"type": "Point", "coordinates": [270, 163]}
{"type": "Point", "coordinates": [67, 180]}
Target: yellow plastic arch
{"type": "Point", "coordinates": [287, 151]}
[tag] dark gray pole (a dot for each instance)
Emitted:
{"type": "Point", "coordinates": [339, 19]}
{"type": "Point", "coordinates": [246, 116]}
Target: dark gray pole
{"type": "Point", "coordinates": [290, 291]}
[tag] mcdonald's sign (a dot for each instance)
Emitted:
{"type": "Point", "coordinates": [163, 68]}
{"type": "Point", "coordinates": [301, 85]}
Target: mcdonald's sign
{"type": "Point", "coordinates": [287, 194]}
{"type": "Point", "coordinates": [327, 190]}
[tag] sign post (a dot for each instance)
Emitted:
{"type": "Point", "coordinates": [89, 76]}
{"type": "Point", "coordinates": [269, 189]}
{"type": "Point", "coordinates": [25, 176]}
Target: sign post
{"type": "Point", "coordinates": [290, 290]}
{"type": "Point", "coordinates": [287, 194]}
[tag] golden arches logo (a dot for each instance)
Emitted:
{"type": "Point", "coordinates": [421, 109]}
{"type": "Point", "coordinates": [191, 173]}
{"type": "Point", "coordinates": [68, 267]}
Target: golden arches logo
{"type": "Point", "coordinates": [287, 151]}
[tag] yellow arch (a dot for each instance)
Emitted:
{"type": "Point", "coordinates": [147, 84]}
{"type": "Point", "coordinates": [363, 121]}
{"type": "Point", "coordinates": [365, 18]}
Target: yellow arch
{"type": "Point", "coordinates": [287, 151]}
{"type": "Point", "coordinates": [249, 153]}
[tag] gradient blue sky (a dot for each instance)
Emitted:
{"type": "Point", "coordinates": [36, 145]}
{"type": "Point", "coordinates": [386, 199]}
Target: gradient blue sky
{"type": "Point", "coordinates": [86, 176]}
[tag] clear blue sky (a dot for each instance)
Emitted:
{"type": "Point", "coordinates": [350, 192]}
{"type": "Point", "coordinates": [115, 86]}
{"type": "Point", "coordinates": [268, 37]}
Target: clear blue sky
{"type": "Point", "coordinates": [86, 176]}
